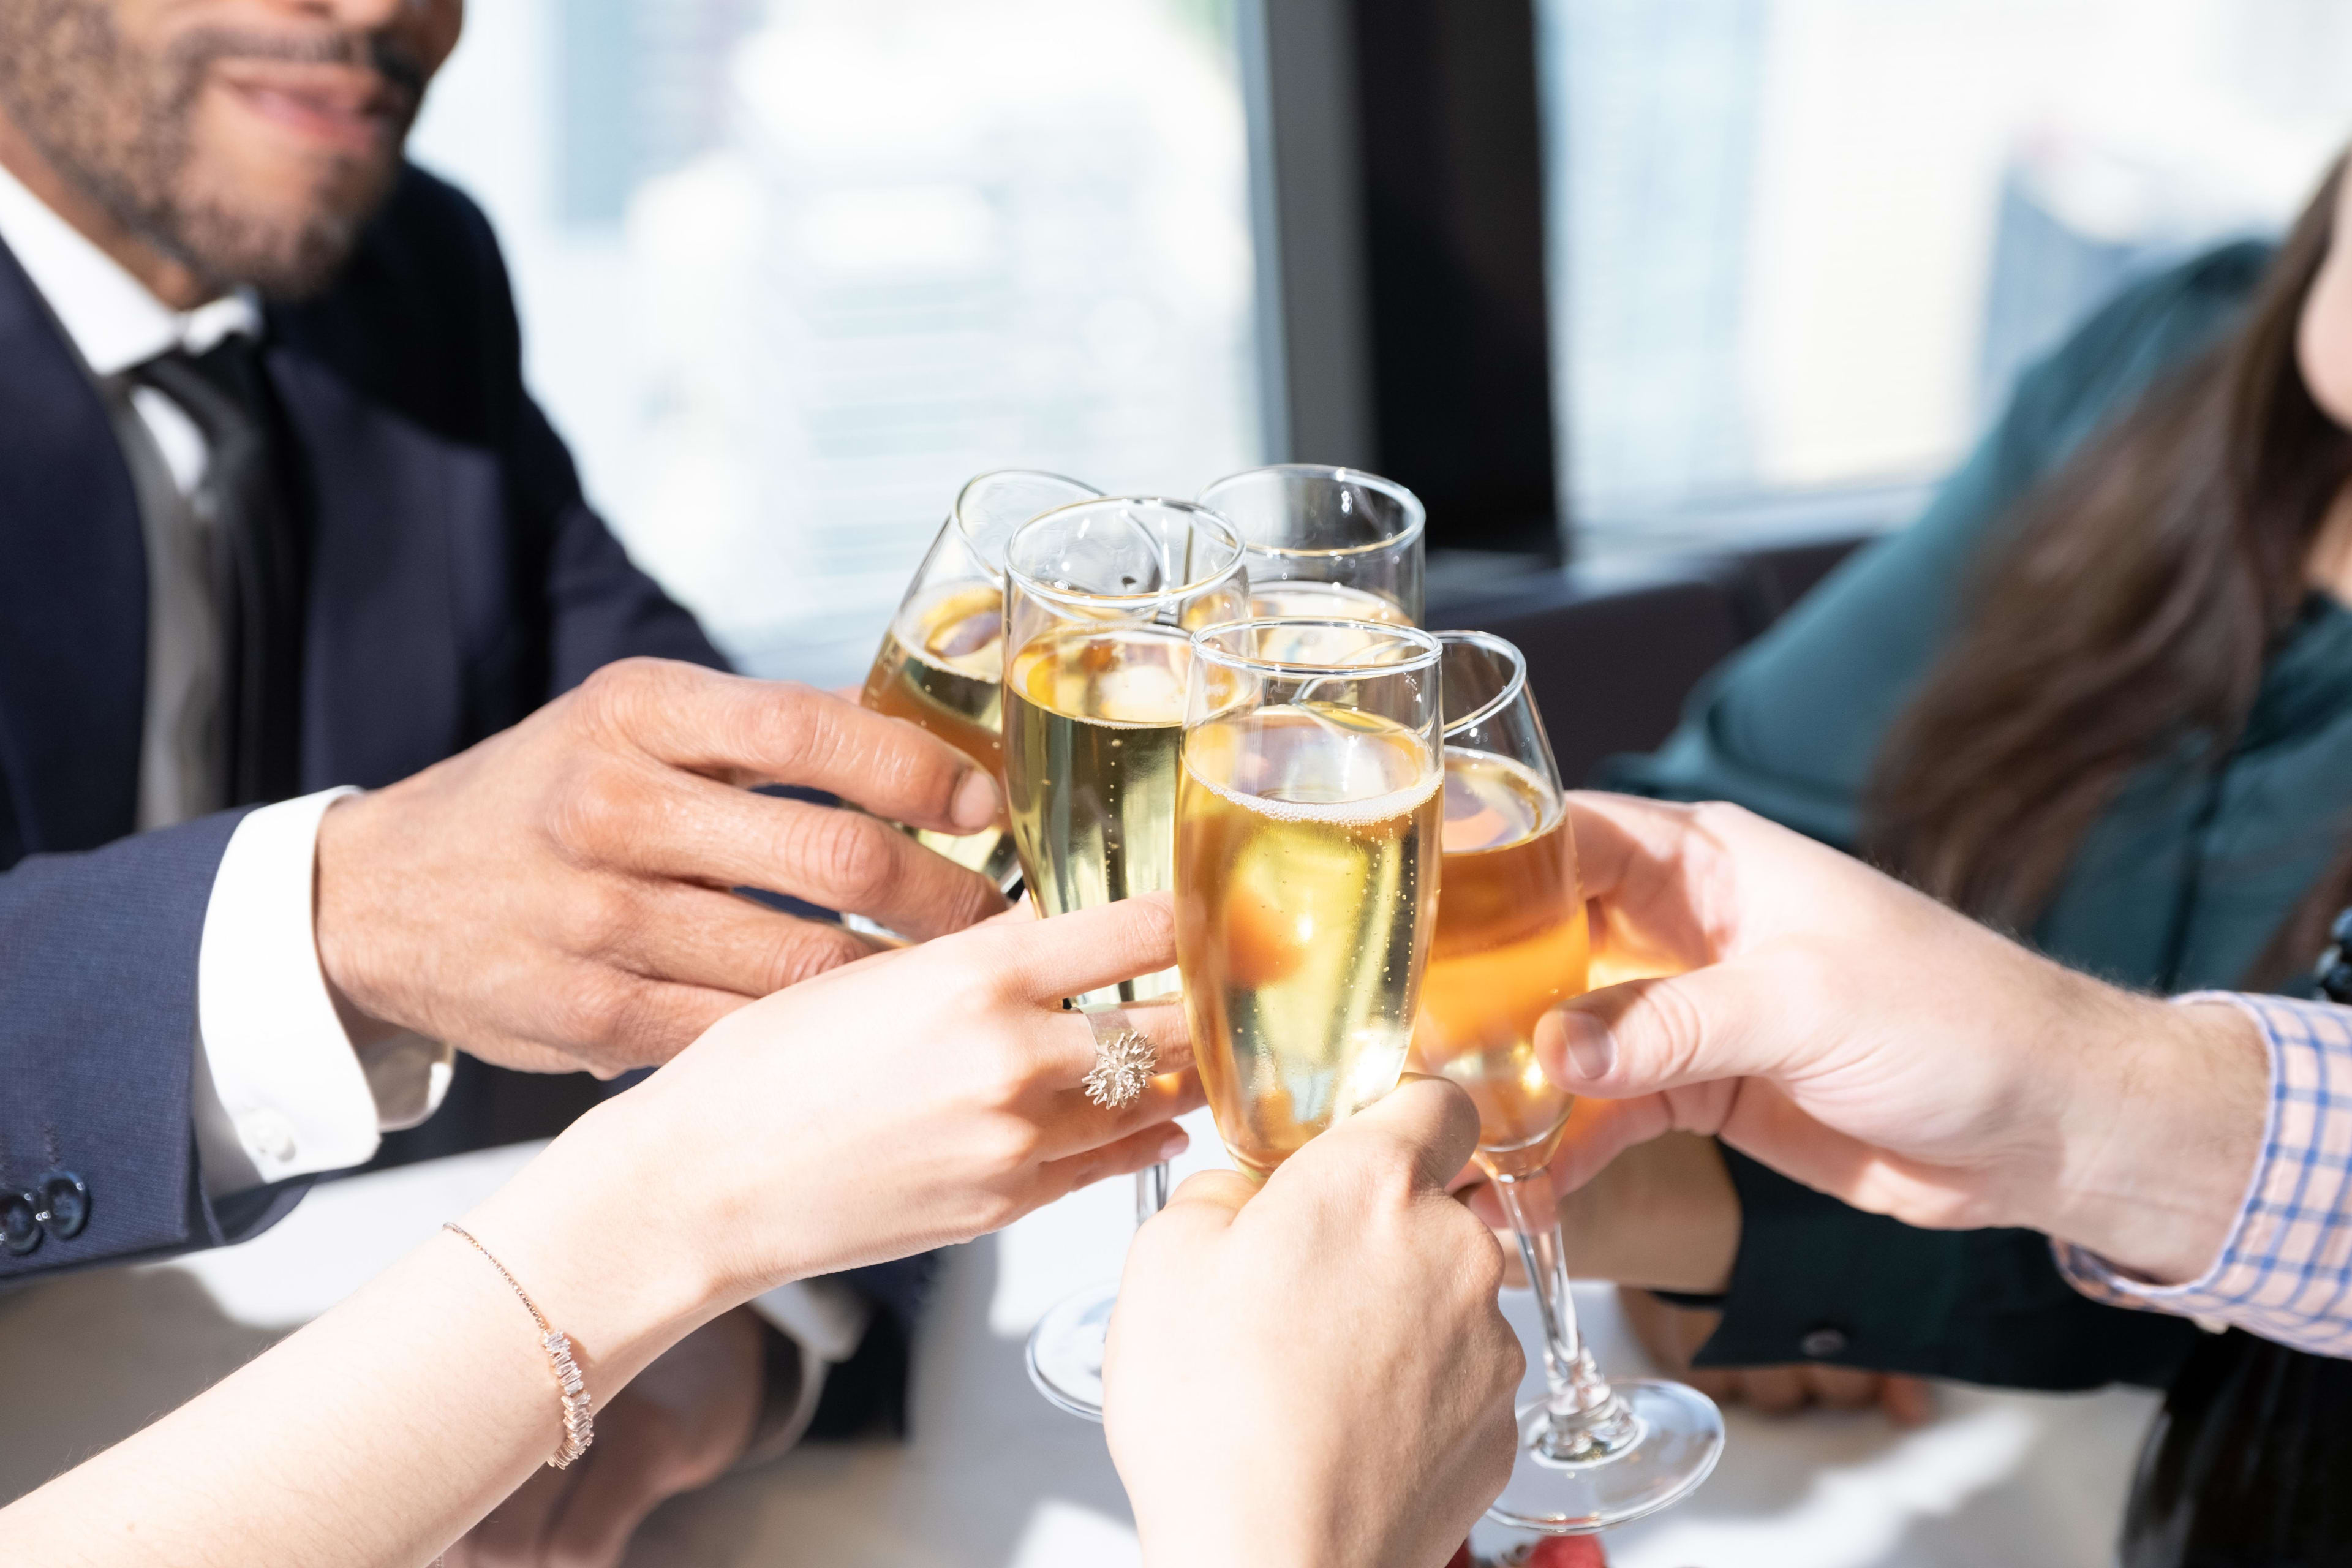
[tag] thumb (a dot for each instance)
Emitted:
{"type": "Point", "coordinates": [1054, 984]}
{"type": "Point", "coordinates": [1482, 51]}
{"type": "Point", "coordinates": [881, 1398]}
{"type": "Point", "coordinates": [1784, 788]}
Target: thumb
{"type": "Point", "coordinates": [1725, 1021]}
{"type": "Point", "coordinates": [1430, 1118]}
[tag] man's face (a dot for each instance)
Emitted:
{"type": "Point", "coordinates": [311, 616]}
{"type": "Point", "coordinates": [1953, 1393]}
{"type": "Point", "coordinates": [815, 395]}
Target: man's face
{"type": "Point", "coordinates": [247, 140]}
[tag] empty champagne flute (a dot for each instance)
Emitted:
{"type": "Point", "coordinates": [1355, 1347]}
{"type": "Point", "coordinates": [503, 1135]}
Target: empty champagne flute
{"type": "Point", "coordinates": [1325, 542]}
{"type": "Point", "coordinates": [941, 663]}
{"type": "Point", "coordinates": [1100, 600]}
{"type": "Point", "coordinates": [1511, 945]}
{"type": "Point", "coordinates": [1306, 874]}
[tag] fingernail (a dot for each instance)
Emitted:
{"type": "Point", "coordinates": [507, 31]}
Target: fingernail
{"type": "Point", "coordinates": [974, 806]}
{"type": "Point", "coordinates": [1591, 1048]}
{"type": "Point", "coordinates": [1175, 1143]}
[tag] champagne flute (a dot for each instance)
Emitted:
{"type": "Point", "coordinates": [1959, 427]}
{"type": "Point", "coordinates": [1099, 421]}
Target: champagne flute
{"type": "Point", "coordinates": [1511, 945]}
{"type": "Point", "coordinates": [1100, 600]}
{"type": "Point", "coordinates": [941, 664]}
{"type": "Point", "coordinates": [1326, 544]}
{"type": "Point", "coordinates": [1306, 869]}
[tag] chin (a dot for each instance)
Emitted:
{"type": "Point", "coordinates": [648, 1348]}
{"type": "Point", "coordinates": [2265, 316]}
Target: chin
{"type": "Point", "coordinates": [285, 228]}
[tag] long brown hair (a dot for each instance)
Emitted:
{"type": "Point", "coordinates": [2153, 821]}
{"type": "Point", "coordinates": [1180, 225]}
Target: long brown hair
{"type": "Point", "coordinates": [2125, 615]}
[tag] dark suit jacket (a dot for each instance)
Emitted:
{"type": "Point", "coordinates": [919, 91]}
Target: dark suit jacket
{"type": "Point", "coordinates": [457, 580]}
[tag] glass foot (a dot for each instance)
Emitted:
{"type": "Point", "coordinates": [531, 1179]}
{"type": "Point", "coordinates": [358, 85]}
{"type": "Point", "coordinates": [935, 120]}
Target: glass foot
{"type": "Point", "coordinates": [1667, 1443]}
{"type": "Point", "coordinates": [1066, 1350]}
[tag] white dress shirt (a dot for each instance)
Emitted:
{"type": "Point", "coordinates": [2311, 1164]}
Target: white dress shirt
{"type": "Point", "coordinates": [282, 1089]}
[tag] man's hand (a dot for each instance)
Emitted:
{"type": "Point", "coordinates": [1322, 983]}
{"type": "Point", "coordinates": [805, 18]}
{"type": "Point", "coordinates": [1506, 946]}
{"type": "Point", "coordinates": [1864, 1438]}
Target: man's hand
{"type": "Point", "coordinates": [557, 897]}
{"type": "Point", "coordinates": [1316, 1372]}
{"type": "Point", "coordinates": [1873, 1044]}
{"type": "Point", "coordinates": [677, 1426]}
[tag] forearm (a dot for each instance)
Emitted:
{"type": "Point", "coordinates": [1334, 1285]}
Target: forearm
{"type": "Point", "coordinates": [2281, 1265]}
{"type": "Point", "coordinates": [2165, 1115]}
{"type": "Point", "coordinates": [378, 1434]}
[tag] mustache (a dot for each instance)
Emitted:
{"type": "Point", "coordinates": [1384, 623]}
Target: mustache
{"type": "Point", "coordinates": [402, 74]}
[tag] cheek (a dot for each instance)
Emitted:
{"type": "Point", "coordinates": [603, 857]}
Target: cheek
{"type": "Point", "coordinates": [2323, 341]}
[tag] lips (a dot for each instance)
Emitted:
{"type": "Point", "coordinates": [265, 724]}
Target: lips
{"type": "Point", "coordinates": [336, 108]}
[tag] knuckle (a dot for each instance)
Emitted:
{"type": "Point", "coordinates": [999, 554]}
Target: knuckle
{"type": "Point", "coordinates": [852, 855]}
{"type": "Point", "coordinates": [597, 805]}
{"type": "Point", "coordinates": [598, 918]}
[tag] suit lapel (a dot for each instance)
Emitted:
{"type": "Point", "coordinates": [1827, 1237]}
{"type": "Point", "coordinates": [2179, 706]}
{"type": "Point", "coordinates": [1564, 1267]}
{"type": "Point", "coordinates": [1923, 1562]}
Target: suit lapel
{"type": "Point", "coordinates": [73, 590]}
{"type": "Point", "coordinates": [382, 693]}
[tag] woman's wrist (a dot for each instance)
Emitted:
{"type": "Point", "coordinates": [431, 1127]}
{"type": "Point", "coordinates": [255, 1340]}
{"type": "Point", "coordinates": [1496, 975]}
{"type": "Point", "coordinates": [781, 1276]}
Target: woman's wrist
{"type": "Point", "coordinates": [2170, 1104]}
{"type": "Point", "coordinates": [610, 1251]}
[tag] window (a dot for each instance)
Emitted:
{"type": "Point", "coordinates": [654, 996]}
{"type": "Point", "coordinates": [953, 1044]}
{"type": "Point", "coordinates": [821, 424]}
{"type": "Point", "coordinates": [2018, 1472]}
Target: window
{"type": "Point", "coordinates": [791, 272]}
{"type": "Point", "coordinates": [1797, 244]}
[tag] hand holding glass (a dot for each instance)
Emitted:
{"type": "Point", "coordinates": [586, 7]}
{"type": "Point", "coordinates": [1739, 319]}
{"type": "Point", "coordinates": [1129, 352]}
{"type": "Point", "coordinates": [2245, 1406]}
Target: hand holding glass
{"type": "Point", "coordinates": [1511, 945]}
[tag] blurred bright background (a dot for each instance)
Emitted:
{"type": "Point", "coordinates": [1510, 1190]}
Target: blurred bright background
{"type": "Point", "coordinates": [791, 271]}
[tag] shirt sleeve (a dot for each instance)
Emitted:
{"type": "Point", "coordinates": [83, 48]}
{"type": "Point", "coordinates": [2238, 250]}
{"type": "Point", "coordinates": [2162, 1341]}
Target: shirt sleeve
{"type": "Point", "coordinates": [285, 1088]}
{"type": "Point", "coordinates": [2285, 1272]}
{"type": "Point", "coordinates": [823, 1321]}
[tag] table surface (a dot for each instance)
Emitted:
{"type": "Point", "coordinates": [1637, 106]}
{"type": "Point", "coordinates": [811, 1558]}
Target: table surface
{"type": "Point", "coordinates": [994, 1478]}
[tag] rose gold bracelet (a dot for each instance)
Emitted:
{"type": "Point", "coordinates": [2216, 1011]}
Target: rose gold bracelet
{"type": "Point", "coordinates": [579, 1414]}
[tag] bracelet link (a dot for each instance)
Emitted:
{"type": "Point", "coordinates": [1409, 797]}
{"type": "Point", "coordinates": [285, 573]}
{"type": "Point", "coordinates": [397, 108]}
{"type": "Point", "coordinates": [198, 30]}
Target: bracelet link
{"type": "Point", "coordinates": [579, 1411]}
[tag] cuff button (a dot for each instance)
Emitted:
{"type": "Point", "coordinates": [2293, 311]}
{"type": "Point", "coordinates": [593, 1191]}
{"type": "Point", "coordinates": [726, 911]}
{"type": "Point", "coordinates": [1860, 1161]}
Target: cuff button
{"type": "Point", "coordinates": [20, 1223]}
{"type": "Point", "coordinates": [1821, 1343]}
{"type": "Point", "coordinates": [65, 1203]}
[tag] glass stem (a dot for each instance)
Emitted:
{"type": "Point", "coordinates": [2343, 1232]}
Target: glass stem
{"type": "Point", "coordinates": [1151, 1191]}
{"type": "Point", "coordinates": [1587, 1421]}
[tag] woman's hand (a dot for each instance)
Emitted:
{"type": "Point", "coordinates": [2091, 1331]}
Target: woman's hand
{"type": "Point", "coordinates": [1316, 1372]}
{"type": "Point", "coordinates": [1870, 1042]}
{"type": "Point", "coordinates": [902, 1103]}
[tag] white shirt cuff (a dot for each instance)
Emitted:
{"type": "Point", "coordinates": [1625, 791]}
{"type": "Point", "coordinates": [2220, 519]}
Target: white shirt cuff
{"type": "Point", "coordinates": [283, 1090]}
{"type": "Point", "coordinates": [826, 1320]}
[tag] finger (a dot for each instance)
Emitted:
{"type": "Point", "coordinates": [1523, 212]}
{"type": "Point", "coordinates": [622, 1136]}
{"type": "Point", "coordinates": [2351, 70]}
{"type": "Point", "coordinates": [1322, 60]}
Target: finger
{"type": "Point", "coordinates": [1080, 1125]}
{"type": "Point", "coordinates": [1622, 838]}
{"type": "Point", "coordinates": [1431, 1118]}
{"type": "Point", "coordinates": [1774, 1390]}
{"type": "Point", "coordinates": [1598, 1131]}
{"type": "Point", "coordinates": [1084, 951]}
{"type": "Point", "coordinates": [630, 1022]}
{"type": "Point", "coordinates": [1070, 1040]}
{"type": "Point", "coordinates": [1137, 1151]}
{"type": "Point", "coordinates": [724, 941]}
{"type": "Point", "coordinates": [511, 1534]}
{"type": "Point", "coordinates": [696, 830]}
{"type": "Point", "coordinates": [1844, 1387]}
{"type": "Point", "coordinates": [780, 731]}
{"type": "Point", "coordinates": [1907, 1401]}
{"type": "Point", "coordinates": [1725, 1021]}
{"type": "Point", "coordinates": [1208, 1199]}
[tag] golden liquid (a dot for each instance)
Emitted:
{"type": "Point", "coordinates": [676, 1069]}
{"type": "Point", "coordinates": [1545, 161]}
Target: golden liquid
{"type": "Point", "coordinates": [1510, 945]}
{"type": "Point", "coordinates": [942, 667]}
{"type": "Point", "coordinates": [1305, 888]}
{"type": "Point", "coordinates": [1092, 721]}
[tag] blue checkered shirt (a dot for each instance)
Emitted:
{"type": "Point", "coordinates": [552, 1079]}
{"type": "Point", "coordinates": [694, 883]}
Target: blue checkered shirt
{"type": "Point", "coordinates": [2285, 1272]}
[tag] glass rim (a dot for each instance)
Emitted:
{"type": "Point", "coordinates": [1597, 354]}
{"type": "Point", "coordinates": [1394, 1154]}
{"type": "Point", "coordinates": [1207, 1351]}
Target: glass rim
{"type": "Point", "coordinates": [1416, 514]}
{"type": "Point", "coordinates": [962, 525]}
{"type": "Point", "coordinates": [1431, 649]}
{"type": "Point", "coordinates": [1512, 688]}
{"type": "Point", "coordinates": [1202, 515]}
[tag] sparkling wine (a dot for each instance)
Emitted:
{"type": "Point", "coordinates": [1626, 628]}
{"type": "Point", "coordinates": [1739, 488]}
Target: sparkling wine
{"type": "Point", "coordinates": [1510, 945]}
{"type": "Point", "coordinates": [1306, 882]}
{"type": "Point", "coordinates": [941, 667]}
{"type": "Point", "coordinates": [1092, 723]}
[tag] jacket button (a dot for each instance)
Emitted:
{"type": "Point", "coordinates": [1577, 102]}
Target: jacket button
{"type": "Point", "coordinates": [20, 1223]}
{"type": "Point", "coordinates": [1823, 1342]}
{"type": "Point", "coordinates": [65, 1203]}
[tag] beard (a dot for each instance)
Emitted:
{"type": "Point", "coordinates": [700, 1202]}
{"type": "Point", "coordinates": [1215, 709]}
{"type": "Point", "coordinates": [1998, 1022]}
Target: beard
{"type": "Point", "coordinates": [118, 124]}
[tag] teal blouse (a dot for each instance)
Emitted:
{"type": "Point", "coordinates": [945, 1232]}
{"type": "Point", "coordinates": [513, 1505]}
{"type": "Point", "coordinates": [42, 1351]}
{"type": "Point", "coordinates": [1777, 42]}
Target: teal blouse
{"type": "Point", "coordinates": [2179, 886]}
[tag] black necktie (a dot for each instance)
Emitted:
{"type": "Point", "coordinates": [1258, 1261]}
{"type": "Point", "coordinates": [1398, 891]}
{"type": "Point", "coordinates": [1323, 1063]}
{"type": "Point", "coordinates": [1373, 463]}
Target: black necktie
{"type": "Point", "coordinates": [243, 495]}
